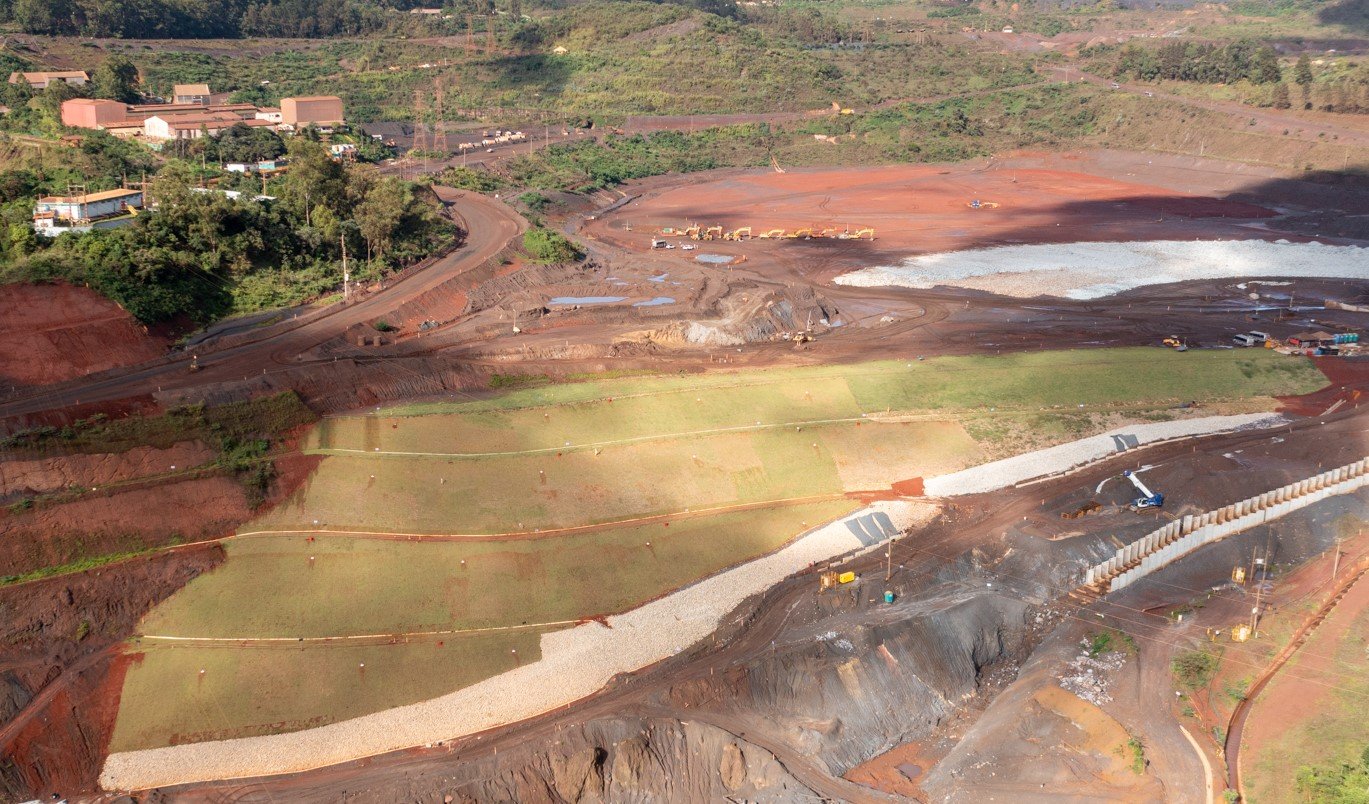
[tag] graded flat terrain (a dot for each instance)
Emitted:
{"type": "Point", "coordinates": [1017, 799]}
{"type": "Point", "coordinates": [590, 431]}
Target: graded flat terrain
{"type": "Point", "coordinates": [920, 209]}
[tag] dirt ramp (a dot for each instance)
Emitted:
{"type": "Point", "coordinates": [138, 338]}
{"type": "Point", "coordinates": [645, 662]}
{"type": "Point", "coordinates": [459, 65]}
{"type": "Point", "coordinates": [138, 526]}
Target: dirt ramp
{"type": "Point", "coordinates": [57, 332]}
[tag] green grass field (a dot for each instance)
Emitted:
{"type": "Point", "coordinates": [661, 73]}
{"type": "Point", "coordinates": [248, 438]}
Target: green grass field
{"type": "Point", "coordinates": [248, 691]}
{"type": "Point", "coordinates": [574, 454]}
{"type": "Point", "coordinates": [370, 586]}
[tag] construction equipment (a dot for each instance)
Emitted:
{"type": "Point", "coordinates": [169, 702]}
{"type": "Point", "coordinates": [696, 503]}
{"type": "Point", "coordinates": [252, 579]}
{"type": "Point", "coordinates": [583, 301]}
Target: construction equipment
{"type": "Point", "coordinates": [743, 233]}
{"type": "Point", "coordinates": [863, 232]}
{"type": "Point", "coordinates": [1175, 342]}
{"type": "Point", "coordinates": [827, 580]}
{"type": "Point", "coordinates": [712, 233]}
{"type": "Point", "coordinates": [194, 363]}
{"type": "Point", "coordinates": [692, 232]}
{"type": "Point", "coordinates": [800, 234]}
{"type": "Point", "coordinates": [1148, 498]}
{"type": "Point", "coordinates": [771, 233]}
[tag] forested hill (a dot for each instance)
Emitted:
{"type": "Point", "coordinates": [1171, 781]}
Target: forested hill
{"type": "Point", "coordinates": [192, 19]}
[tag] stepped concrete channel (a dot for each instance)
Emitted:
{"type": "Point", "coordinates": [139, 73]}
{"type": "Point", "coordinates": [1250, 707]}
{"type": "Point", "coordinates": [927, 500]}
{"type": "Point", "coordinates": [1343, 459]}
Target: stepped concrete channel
{"type": "Point", "coordinates": [1167, 544]}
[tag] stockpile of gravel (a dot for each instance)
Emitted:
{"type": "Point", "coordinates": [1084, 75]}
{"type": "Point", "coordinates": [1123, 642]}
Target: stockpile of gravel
{"type": "Point", "coordinates": [1064, 457]}
{"type": "Point", "coordinates": [575, 663]}
{"type": "Point", "coordinates": [1094, 270]}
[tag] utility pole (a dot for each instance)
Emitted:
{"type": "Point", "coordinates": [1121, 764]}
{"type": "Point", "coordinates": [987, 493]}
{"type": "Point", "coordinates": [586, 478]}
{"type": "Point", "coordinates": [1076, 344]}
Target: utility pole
{"type": "Point", "coordinates": [1255, 610]}
{"type": "Point", "coordinates": [1335, 562]}
{"type": "Point", "coordinates": [889, 560]}
{"type": "Point", "coordinates": [346, 276]}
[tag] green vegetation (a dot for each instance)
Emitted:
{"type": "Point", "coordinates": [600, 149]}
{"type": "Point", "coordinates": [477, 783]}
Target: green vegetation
{"type": "Point", "coordinates": [78, 565]}
{"type": "Point", "coordinates": [1194, 669]}
{"type": "Point", "coordinates": [203, 254]}
{"type": "Point", "coordinates": [341, 585]}
{"type": "Point", "coordinates": [227, 425]}
{"type": "Point", "coordinates": [1205, 63]}
{"type": "Point", "coordinates": [1320, 752]}
{"type": "Point", "coordinates": [248, 691]}
{"type": "Point", "coordinates": [1109, 641]}
{"type": "Point", "coordinates": [1342, 783]}
{"type": "Point", "coordinates": [1138, 755]}
{"type": "Point", "coordinates": [547, 246]}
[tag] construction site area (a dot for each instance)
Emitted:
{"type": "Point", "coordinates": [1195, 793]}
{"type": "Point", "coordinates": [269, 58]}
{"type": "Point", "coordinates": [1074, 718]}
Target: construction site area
{"type": "Point", "coordinates": [1032, 478]}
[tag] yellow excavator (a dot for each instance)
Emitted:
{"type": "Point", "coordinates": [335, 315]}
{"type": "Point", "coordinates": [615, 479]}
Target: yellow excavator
{"type": "Point", "coordinates": [771, 233]}
{"type": "Point", "coordinates": [713, 233]}
{"type": "Point", "coordinates": [743, 233]}
{"type": "Point", "coordinates": [692, 233]}
{"type": "Point", "coordinates": [801, 234]}
{"type": "Point", "coordinates": [1175, 342]}
{"type": "Point", "coordinates": [863, 232]}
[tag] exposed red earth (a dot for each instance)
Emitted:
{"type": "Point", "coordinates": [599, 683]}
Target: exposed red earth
{"type": "Point", "coordinates": [55, 332]}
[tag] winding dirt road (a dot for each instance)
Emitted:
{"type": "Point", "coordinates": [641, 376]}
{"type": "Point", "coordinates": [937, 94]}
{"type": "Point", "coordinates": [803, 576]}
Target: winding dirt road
{"type": "Point", "coordinates": [489, 226]}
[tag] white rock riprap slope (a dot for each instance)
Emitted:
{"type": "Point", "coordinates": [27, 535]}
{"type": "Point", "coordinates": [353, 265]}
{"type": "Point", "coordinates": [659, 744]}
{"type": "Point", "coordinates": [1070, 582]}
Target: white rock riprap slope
{"type": "Point", "coordinates": [1094, 270]}
{"type": "Point", "coordinates": [575, 663]}
{"type": "Point", "coordinates": [1064, 457]}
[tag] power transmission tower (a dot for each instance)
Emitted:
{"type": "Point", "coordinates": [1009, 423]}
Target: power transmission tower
{"type": "Point", "coordinates": [420, 132]}
{"type": "Point", "coordinates": [439, 126]}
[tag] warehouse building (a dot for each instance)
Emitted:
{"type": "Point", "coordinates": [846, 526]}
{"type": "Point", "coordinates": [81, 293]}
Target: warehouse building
{"type": "Point", "coordinates": [57, 214]}
{"type": "Point", "coordinates": [323, 111]}
{"type": "Point", "coordinates": [41, 80]}
{"type": "Point", "coordinates": [197, 94]}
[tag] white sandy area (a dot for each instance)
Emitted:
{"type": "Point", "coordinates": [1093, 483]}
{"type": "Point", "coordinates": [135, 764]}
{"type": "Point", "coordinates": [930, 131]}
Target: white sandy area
{"type": "Point", "coordinates": [575, 663]}
{"type": "Point", "coordinates": [1094, 270]}
{"type": "Point", "coordinates": [1064, 457]}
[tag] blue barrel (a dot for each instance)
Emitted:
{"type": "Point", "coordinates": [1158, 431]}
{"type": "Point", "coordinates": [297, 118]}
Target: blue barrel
{"type": "Point", "coordinates": [888, 597]}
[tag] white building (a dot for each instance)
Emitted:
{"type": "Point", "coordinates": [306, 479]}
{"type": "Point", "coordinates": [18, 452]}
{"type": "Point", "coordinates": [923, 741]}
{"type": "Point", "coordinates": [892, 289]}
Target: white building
{"type": "Point", "coordinates": [55, 215]}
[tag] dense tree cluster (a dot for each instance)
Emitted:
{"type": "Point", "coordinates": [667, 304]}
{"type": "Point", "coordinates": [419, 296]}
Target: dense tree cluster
{"type": "Point", "coordinates": [1206, 63]}
{"type": "Point", "coordinates": [190, 19]}
{"type": "Point", "coordinates": [202, 254]}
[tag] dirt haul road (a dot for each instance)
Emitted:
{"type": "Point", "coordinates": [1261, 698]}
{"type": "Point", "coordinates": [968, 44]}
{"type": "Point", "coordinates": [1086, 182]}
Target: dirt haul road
{"type": "Point", "coordinates": [489, 224]}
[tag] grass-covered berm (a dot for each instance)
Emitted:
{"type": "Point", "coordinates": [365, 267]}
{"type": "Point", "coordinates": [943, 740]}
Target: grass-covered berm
{"type": "Point", "coordinates": [436, 541]}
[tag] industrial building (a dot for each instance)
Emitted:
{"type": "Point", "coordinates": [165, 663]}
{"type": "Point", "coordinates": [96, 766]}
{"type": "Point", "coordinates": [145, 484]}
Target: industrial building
{"type": "Point", "coordinates": [312, 110]}
{"type": "Point", "coordinates": [194, 126]}
{"type": "Point", "coordinates": [55, 215]}
{"type": "Point", "coordinates": [41, 80]}
{"type": "Point", "coordinates": [191, 93]}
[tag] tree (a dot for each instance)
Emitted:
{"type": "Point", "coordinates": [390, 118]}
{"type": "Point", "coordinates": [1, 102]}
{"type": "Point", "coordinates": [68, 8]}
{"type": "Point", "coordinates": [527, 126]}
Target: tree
{"type": "Point", "coordinates": [1264, 66]}
{"type": "Point", "coordinates": [379, 214]}
{"type": "Point", "coordinates": [1303, 75]}
{"type": "Point", "coordinates": [243, 143]}
{"type": "Point", "coordinates": [1281, 99]}
{"type": "Point", "coordinates": [115, 79]}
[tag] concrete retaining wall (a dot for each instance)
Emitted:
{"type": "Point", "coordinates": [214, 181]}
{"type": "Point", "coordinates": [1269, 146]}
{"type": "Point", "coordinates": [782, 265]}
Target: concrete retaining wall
{"type": "Point", "coordinates": [1170, 542]}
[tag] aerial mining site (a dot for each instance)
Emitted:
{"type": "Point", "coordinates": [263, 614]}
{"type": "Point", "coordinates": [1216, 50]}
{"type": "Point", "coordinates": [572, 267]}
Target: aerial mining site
{"type": "Point", "coordinates": [496, 429]}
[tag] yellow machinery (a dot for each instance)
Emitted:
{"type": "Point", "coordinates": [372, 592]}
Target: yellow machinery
{"type": "Point", "coordinates": [743, 233]}
{"type": "Point", "coordinates": [772, 233]}
{"type": "Point", "coordinates": [1238, 575]}
{"type": "Point", "coordinates": [1240, 633]}
{"type": "Point", "coordinates": [692, 233]}
{"type": "Point", "coordinates": [863, 232]}
{"type": "Point", "coordinates": [801, 234]}
{"type": "Point", "coordinates": [713, 233]}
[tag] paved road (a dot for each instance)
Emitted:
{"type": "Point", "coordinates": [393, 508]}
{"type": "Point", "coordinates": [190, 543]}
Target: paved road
{"type": "Point", "coordinates": [490, 225]}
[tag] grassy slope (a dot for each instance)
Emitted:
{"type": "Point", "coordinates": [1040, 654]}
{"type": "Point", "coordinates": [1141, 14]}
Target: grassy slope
{"type": "Point", "coordinates": [363, 586]}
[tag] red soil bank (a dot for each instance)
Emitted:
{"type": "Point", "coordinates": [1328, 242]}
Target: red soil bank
{"type": "Point", "coordinates": [56, 332]}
